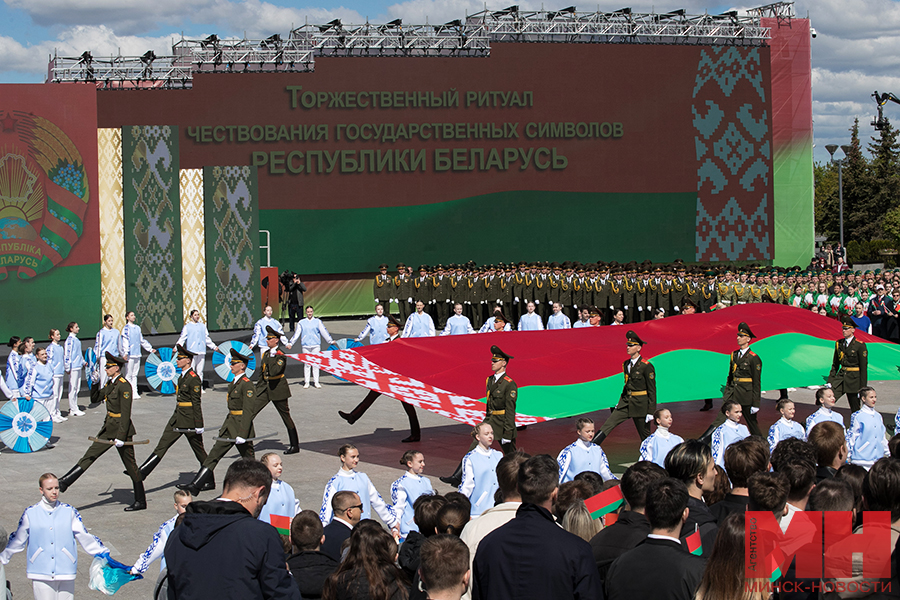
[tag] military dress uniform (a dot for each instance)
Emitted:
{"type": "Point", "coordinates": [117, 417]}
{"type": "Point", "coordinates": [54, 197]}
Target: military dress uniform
{"type": "Point", "coordinates": [272, 386]}
{"type": "Point", "coordinates": [849, 367]}
{"type": "Point", "coordinates": [638, 397]}
{"type": "Point", "coordinates": [238, 424]}
{"type": "Point", "coordinates": [118, 396]}
{"type": "Point", "coordinates": [188, 415]}
{"type": "Point", "coordinates": [744, 383]}
{"type": "Point", "coordinates": [500, 411]}
{"type": "Point", "coordinates": [382, 288]}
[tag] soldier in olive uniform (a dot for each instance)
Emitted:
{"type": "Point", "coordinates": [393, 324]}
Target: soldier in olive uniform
{"type": "Point", "coordinates": [500, 410]}
{"type": "Point", "coordinates": [272, 386]}
{"type": "Point", "coordinates": [188, 415]}
{"type": "Point", "coordinates": [638, 399]}
{"type": "Point", "coordinates": [238, 425]}
{"type": "Point", "coordinates": [382, 287]}
{"type": "Point", "coordinates": [118, 429]}
{"type": "Point", "coordinates": [850, 366]}
{"type": "Point", "coordinates": [402, 291]}
{"type": "Point", "coordinates": [744, 384]}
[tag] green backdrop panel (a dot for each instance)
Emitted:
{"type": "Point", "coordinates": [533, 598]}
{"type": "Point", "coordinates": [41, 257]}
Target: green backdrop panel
{"type": "Point", "coordinates": [794, 214]}
{"type": "Point", "coordinates": [152, 227]}
{"type": "Point", "coordinates": [31, 307]}
{"type": "Point", "coordinates": [231, 215]}
{"type": "Point", "coordinates": [490, 228]}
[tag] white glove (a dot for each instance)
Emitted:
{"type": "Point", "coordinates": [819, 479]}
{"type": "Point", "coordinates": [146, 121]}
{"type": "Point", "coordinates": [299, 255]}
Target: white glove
{"type": "Point", "coordinates": [648, 418]}
{"type": "Point", "coordinates": [640, 309]}
{"type": "Point", "coordinates": [240, 440]}
{"type": "Point", "coordinates": [537, 301]}
{"type": "Point", "coordinates": [575, 306]}
{"type": "Point", "coordinates": [649, 308]}
{"type": "Point", "coordinates": [754, 410]}
{"type": "Point", "coordinates": [119, 443]}
{"type": "Point", "coordinates": [828, 385]}
{"type": "Point", "coordinates": [447, 300]}
{"type": "Point", "coordinates": [516, 299]}
{"type": "Point", "coordinates": [505, 441]}
{"type": "Point", "coordinates": [676, 309]}
{"type": "Point", "coordinates": [135, 571]}
{"type": "Point", "coordinates": [611, 308]}
{"type": "Point", "coordinates": [626, 307]}
{"type": "Point", "coordinates": [198, 431]}
{"type": "Point", "coordinates": [409, 299]}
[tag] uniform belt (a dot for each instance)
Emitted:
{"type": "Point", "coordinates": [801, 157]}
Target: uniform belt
{"type": "Point", "coordinates": [640, 393]}
{"type": "Point", "coordinates": [236, 412]}
{"type": "Point", "coordinates": [744, 379]}
{"type": "Point", "coordinates": [269, 377]}
{"type": "Point", "coordinates": [851, 368]}
{"type": "Point", "coordinates": [496, 412]}
{"type": "Point", "coordinates": [116, 415]}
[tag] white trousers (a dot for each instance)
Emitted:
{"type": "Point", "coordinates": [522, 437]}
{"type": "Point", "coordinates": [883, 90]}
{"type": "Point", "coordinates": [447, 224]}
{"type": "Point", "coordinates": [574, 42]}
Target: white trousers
{"type": "Point", "coordinates": [5, 388]}
{"type": "Point", "coordinates": [131, 373]}
{"type": "Point", "coordinates": [53, 590]}
{"type": "Point", "coordinates": [198, 362]}
{"type": "Point", "coordinates": [74, 388]}
{"type": "Point", "coordinates": [48, 403]}
{"type": "Point", "coordinates": [307, 367]}
{"type": "Point", "coordinates": [57, 390]}
{"type": "Point", "coordinates": [103, 377]}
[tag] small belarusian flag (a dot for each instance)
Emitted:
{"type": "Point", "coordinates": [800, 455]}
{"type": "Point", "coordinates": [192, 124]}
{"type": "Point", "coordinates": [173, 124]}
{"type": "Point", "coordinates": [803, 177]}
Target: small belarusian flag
{"type": "Point", "coordinates": [694, 543]}
{"type": "Point", "coordinates": [605, 502]}
{"type": "Point", "coordinates": [281, 523]}
{"type": "Point", "coordinates": [610, 519]}
{"type": "Point", "coordinates": [773, 562]}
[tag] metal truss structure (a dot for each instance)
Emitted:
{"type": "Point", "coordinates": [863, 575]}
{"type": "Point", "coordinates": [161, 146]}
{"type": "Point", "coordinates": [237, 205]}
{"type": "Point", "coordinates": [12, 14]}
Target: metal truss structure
{"type": "Point", "coordinates": [469, 38]}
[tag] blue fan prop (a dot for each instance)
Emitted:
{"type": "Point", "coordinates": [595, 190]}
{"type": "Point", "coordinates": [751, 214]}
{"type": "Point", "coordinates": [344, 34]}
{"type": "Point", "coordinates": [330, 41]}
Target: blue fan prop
{"type": "Point", "coordinates": [25, 425]}
{"type": "Point", "coordinates": [161, 371]}
{"type": "Point", "coordinates": [343, 344]}
{"type": "Point", "coordinates": [90, 360]}
{"type": "Point", "coordinates": [222, 359]}
{"type": "Point", "coordinates": [107, 575]}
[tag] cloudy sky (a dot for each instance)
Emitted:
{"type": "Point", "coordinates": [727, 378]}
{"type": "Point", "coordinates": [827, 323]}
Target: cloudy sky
{"type": "Point", "coordinates": [856, 51]}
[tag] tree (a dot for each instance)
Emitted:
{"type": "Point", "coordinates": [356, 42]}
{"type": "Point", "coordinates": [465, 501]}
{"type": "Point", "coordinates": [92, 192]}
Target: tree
{"type": "Point", "coordinates": [859, 222]}
{"type": "Point", "coordinates": [884, 178]}
{"type": "Point", "coordinates": [826, 199]}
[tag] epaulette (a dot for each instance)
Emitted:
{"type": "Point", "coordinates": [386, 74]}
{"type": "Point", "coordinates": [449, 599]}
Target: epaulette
{"type": "Point", "coordinates": [751, 352]}
{"type": "Point", "coordinates": [645, 361]}
{"type": "Point", "coordinates": [122, 379]}
{"type": "Point", "coordinates": [279, 353]}
{"type": "Point", "coordinates": [191, 373]}
{"type": "Point", "coordinates": [506, 377]}
{"type": "Point", "coordinates": [244, 378]}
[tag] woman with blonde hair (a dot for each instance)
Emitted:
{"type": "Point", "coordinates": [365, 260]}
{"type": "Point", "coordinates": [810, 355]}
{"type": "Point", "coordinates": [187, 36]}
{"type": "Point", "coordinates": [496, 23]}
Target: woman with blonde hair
{"type": "Point", "coordinates": [578, 520]}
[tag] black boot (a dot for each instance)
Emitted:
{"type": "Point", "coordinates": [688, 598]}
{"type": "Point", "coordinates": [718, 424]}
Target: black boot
{"type": "Point", "coordinates": [347, 417]}
{"type": "Point", "coordinates": [706, 437]}
{"type": "Point", "coordinates": [69, 478]}
{"type": "Point", "coordinates": [203, 477]}
{"type": "Point", "coordinates": [294, 441]}
{"type": "Point", "coordinates": [210, 483]}
{"type": "Point", "coordinates": [140, 498]}
{"type": "Point", "coordinates": [148, 466]}
{"type": "Point", "coordinates": [456, 479]}
{"type": "Point", "coordinates": [599, 437]}
{"type": "Point", "coordinates": [707, 405]}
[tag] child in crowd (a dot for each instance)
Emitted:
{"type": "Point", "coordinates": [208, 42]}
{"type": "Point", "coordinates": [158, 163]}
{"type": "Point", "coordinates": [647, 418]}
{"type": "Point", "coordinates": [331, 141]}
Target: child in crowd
{"type": "Point", "coordinates": [785, 427]}
{"type": "Point", "coordinates": [479, 473]}
{"type": "Point", "coordinates": [826, 412]}
{"type": "Point", "coordinates": [866, 437]}
{"type": "Point", "coordinates": [348, 478]}
{"type": "Point", "coordinates": [158, 545]}
{"type": "Point", "coordinates": [583, 455]}
{"type": "Point", "coordinates": [50, 529]}
{"type": "Point", "coordinates": [406, 490]}
{"type": "Point", "coordinates": [281, 505]}
{"type": "Point", "coordinates": [729, 432]}
{"type": "Point", "coordinates": [660, 442]}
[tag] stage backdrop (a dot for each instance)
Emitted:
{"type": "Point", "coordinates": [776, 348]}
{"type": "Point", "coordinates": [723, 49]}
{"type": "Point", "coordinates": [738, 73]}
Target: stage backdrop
{"type": "Point", "coordinates": [49, 225]}
{"type": "Point", "coordinates": [540, 152]}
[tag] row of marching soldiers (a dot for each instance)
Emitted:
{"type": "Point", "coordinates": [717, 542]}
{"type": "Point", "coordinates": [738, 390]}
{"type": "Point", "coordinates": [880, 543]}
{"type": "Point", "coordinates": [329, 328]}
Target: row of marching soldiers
{"type": "Point", "coordinates": [639, 290]}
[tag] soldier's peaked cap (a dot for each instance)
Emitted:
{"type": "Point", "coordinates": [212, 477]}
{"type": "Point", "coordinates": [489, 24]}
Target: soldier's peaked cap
{"type": "Point", "coordinates": [498, 353]}
{"type": "Point", "coordinates": [237, 356]}
{"type": "Point", "coordinates": [744, 329]}
{"type": "Point", "coordinates": [634, 339]}
{"type": "Point", "coordinates": [184, 352]}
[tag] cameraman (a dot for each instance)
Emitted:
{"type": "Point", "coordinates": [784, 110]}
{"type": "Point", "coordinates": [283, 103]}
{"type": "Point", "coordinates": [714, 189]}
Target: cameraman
{"type": "Point", "coordinates": [295, 291]}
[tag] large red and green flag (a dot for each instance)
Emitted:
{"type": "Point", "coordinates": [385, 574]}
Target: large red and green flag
{"type": "Point", "coordinates": [605, 502]}
{"type": "Point", "coordinates": [282, 523]}
{"type": "Point", "coordinates": [694, 543]}
{"type": "Point", "coordinates": [568, 372]}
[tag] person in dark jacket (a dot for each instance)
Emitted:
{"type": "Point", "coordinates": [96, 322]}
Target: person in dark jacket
{"type": "Point", "coordinates": [742, 459]}
{"type": "Point", "coordinates": [660, 567]}
{"type": "Point", "coordinates": [531, 557]}
{"type": "Point", "coordinates": [691, 462]}
{"type": "Point", "coordinates": [632, 526]}
{"type": "Point", "coordinates": [347, 511]}
{"type": "Point", "coordinates": [221, 550]}
{"type": "Point", "coordinates": [309, 567]}
{"type": "Point", "coordinates": [368, 571]}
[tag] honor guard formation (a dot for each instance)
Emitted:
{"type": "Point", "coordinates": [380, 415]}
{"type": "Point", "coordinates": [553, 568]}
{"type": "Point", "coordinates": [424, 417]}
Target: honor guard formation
{"type": "Point", "coordinates": [514, 526]}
